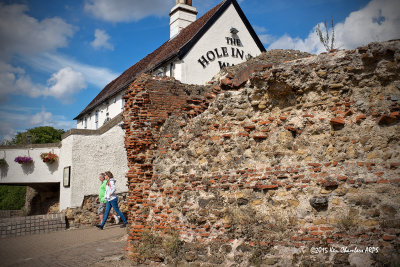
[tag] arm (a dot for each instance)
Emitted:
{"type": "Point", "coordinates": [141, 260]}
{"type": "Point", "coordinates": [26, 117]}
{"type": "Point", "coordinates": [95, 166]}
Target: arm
{"type": "Point", "coordinates": [112, 188]}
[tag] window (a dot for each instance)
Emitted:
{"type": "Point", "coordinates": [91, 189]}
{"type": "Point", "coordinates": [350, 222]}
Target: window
{"type": "Point", "coordinates": [123, 104]}
{"type": "Point", "coordinates": [85, 123]}
{"type": "Point", "coordinates": [171, 70]}
{"type": "Point", "coordinates": [115, 100]}
{"type": "Point", "coordinates": [96, 119]}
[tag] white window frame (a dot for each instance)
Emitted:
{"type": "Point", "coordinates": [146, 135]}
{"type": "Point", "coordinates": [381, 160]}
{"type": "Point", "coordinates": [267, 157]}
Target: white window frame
{"type": "Point", "coordinates": [96, 118]}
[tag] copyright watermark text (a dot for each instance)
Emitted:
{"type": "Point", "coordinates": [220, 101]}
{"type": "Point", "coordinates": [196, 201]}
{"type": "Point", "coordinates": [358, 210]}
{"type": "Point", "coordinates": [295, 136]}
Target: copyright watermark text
{"type": "Point", "coordinates": [325, 250]}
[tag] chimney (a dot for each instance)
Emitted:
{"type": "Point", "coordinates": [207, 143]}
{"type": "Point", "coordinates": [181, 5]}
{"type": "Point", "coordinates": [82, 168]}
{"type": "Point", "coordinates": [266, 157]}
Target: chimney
{"type": "Point", "coordinates": [182, 14]}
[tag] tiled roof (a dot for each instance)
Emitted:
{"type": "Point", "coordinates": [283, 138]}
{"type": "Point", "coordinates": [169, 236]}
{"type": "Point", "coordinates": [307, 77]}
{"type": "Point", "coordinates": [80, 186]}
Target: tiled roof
{"type": "Point", "coordinates": [176, 47]}
{"type": "Point", "coordinates": [165, 52]}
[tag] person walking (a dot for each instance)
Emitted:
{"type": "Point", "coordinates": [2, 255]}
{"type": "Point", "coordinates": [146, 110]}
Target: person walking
{"type": "Point", "coordinates": [112, 200]}
{"type": "Point", "coordinates": [102, 206]}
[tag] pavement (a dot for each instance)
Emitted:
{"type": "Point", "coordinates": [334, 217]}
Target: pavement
{"type": "Point", "coordinates": [72, 247]}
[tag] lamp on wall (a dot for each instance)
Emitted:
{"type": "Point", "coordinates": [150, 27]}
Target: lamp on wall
{"type": "Point", "coordinates": [234, 30]}
{"type": "Point", "coordinates": [28, 138]}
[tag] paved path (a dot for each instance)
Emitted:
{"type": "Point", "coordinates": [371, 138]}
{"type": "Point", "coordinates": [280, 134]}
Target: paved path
{"type": "Point", "coordinates": [80, 247]}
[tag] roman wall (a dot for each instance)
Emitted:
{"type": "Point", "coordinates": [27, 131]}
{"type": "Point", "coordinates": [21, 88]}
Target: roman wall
{"type": "Point", "coordinates": [286, 164]}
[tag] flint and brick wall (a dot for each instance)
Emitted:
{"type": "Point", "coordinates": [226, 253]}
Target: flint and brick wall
{"type": "Point", "coordinates": [149, 102]}
{"type": "Point", "coordinates": [86, 214]}
{"type": "Point", "coordinates": [276, 168]}
{"type": "Point", "coordinates": [20, 226]}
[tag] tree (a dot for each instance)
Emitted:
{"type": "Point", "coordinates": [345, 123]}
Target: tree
{"type": "Point", "coordinates": [326, 40]}
{"type": "Point", "coordinates": [38, 135]}
{"type": "Point", "coordinates": [12, 197]}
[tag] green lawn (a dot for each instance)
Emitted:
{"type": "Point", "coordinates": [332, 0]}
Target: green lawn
{"type": "Point", "coordinates": [12, 197]}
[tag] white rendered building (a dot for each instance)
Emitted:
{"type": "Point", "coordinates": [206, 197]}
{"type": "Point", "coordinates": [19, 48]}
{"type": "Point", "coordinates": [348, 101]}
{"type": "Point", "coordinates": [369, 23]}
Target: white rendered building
{"type": "Point", "coordinates": [197, 50]}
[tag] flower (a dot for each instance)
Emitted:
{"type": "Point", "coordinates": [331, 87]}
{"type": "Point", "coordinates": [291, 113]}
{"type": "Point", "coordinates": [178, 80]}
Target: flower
{"type": "Point", "coordinates": [23, 160]}
{"type": "Point", "coordinates": [49, 157]}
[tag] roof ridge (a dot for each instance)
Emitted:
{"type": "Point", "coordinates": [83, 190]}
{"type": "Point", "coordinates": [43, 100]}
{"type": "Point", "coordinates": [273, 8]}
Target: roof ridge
{"type": "Point", "coordinates": [175, 47]}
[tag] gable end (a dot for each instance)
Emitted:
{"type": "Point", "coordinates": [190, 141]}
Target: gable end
{"type": "Point", "coordinates": [186, 48]}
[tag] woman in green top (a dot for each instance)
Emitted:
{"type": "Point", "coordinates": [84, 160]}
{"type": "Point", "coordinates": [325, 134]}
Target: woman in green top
{"type": "Point", "coordinates": [102, 192]}
{"type": "Point", "coordinates": [102, 205]}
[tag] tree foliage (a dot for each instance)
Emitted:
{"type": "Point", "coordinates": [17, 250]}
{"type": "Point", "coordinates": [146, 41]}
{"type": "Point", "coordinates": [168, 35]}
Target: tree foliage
{"type": "Point", "coordinates": [12, 197]}
{"type": "Point", "coordinates": [38, 135]}
{"type": "Point", "coordinates": [327, 39]}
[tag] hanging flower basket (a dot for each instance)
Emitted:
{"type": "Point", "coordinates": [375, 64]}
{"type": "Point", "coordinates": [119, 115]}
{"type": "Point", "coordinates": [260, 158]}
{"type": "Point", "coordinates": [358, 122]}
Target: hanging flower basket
{"type": "Point", "coordinates": [23, 160]}
{"type": "Point", "coordinates": [3, 163]}
{"type": "Point", "coordinates": [49, 157]}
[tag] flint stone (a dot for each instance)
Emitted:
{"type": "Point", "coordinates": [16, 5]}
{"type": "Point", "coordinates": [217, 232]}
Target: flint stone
{"type": "Point", "coordinates": [319, 203]}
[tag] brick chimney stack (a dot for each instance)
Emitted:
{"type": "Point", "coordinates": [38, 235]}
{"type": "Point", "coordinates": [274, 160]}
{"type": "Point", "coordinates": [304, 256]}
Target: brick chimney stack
{"type": "Point", "coordinates": [182, 14]}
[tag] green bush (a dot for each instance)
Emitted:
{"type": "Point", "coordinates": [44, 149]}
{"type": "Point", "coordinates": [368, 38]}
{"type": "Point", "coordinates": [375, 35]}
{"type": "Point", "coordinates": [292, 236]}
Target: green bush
{"type": "Point", "coordinates": [12, 197]}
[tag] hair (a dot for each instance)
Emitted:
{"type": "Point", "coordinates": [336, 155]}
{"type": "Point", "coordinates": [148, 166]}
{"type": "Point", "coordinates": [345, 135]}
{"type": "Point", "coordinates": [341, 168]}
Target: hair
{"type": "Point", "coordinates": [109, 174]}
{"type": "Point", "coordinates": [102, 174]}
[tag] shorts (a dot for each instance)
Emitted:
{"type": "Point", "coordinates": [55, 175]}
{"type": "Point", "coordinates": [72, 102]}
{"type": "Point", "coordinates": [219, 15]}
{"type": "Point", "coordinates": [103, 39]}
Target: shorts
{"type": "Point", "coordinates": [102, 208]}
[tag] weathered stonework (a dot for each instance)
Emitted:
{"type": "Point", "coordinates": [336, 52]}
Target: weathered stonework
{"type": "Point", "coordinates": [86, 214]}
{"type": "Point", "coordinates": [273, 169]}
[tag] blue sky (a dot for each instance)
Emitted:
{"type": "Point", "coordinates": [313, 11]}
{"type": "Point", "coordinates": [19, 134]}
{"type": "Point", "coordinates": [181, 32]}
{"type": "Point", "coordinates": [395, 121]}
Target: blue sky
{"type": "Point", "coordinates": [55, 55]}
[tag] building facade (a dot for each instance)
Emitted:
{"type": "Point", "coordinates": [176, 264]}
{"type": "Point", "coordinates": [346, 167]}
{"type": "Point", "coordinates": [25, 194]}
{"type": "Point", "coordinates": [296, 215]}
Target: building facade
{"type": "Point", "coordinates": [196, 51]}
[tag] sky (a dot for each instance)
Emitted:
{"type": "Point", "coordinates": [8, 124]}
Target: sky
{"type": "Point", "coordinates": [57, 55]}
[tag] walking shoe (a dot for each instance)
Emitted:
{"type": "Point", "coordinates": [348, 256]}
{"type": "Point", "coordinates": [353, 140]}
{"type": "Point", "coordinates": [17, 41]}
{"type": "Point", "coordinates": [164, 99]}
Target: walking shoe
{"type": "Point", "coordinates": [123, 225]}
{"type": "Point", "coordinates": [116, 219]}
{"type": "Point", "coordinates": [99, 226]}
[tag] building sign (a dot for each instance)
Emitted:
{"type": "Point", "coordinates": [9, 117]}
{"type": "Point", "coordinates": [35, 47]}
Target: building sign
{"type": "Point", "coordinates": [235, 50]}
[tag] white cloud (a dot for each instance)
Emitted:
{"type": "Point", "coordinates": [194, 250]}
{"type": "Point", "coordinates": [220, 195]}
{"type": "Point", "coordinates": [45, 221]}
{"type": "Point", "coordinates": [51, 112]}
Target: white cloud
{"type": "Point", "coordinates": [262, 34]}
{"type": "Point", "coordinates": [266, 38]}
{"type": "Point", "coordinates": [94, 75]}
{"type": "Point", "coordinates": [22, 34]}
{"type": "Point", "coordinates": [7, 131]}
{"type": "Point", "coordinates": [64, 84]}
{"type": "Point", "coordinates": [19, 119]}
{"type": "Point", "coordinates": [14, 80]}
{"type": "Point", "coordinates": [378, 21]}
{"type": "Point", "coordinates": [34, 42]}
{"type": "Point", "coordinates": [101, 40]}
{"type": "Point", "coordinates": [128, 10]}
{"type": "Point", "coordinates": [310, 44]}
{"type": "Point", "coordinates": [67, 77]}
{"type": "Point", "coordinates": [42, 117]}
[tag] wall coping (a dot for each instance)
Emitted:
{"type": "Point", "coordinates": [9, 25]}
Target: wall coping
{"type": "Point", "coordinates": [53, 216]}
{"type": "Point", "coordinates": [114, 121]}
{"type": "Point", "coordinates": [29, 146]}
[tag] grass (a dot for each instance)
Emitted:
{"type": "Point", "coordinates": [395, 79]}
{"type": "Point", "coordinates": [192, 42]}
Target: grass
{"type": "Point", "coordinates": [12, 197]}
{"type": "Point", "coordinates": [150, 244]}
{"type": "Point", "coordinates": [347, 222]}
{"type": "Point", "coordinates": [172, 244]}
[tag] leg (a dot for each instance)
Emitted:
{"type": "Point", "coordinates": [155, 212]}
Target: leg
{"type": "Point", "coordinates": [114, 204]}
{"type": "Point", "coordinates": [101, 210]}
{"type": "Point", "coordinates": [108, 208]}
{"type": "Point", "coordinates": [116, 218]}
